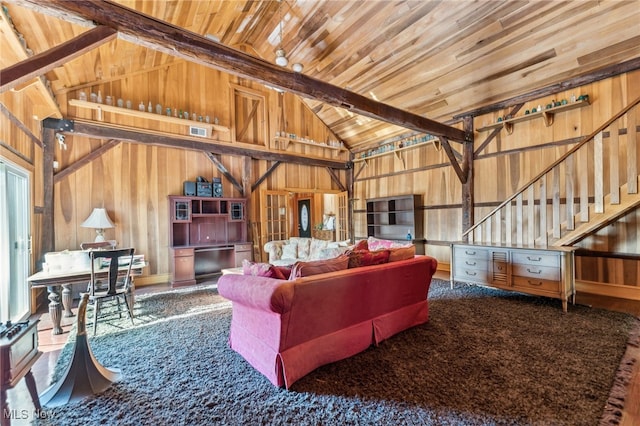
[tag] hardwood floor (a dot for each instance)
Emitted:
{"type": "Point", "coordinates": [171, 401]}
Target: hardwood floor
{"type": "Point", "coordinates": [51, 346]}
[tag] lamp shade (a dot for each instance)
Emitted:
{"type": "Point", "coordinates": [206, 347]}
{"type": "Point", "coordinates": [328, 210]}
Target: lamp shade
{"type": "Point", "coordinates": [99, 219]}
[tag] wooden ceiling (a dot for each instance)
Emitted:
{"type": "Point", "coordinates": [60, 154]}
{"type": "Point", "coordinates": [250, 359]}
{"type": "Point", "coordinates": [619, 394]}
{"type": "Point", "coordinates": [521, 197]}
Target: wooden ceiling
{"type": "Point", "coordinates": [436, 59]}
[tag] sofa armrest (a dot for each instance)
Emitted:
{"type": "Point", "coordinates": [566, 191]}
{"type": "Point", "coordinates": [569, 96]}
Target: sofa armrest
{"type": "Point", "coordinates": [268, 294]}
{"type": "Point", "coordinates": [274, 249]}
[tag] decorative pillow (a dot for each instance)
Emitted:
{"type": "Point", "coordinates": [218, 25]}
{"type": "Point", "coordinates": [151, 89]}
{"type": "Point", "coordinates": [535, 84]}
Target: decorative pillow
{"type": "Point", "coordinates": [314, 267]}
{"type": "Point", "coordinates": [264, 270]}
{"type": "Point", "coordinates": [282, 272]}
{"type": "Point", "coordinates": [359, 258]}
{"type": "Point", "coordinates": [361, 245]}
{"type": "Point", "coordinates": [402, 253]}
{"type": "Point", "coordinates": [290, 251]}
{"type": "Point", "coordinates": [377, 243]}
{"type": "Point", "coordinates": [315, 249]}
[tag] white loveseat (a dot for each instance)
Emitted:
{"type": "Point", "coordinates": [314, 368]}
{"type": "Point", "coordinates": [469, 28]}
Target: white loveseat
{"type": "Point", "coordinates": [288, 252]}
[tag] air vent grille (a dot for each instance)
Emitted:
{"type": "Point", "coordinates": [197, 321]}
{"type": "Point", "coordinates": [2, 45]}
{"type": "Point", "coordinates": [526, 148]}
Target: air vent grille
{"type": "Point", "coordinates": [197, 131]}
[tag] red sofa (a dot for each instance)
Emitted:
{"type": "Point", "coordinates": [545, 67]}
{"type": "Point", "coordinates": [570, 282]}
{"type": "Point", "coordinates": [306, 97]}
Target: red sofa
{"type": "Point", "coordinates": [286, 329]}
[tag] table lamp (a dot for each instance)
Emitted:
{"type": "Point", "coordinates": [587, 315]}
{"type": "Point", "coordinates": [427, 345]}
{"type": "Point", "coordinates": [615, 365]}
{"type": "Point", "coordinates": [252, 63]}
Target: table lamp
{"type": "Point", "coordinates": [99, 219]}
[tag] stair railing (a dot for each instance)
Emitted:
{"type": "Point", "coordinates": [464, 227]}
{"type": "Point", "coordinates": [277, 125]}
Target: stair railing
{"type": "Point", "coordinates": [545, 207]}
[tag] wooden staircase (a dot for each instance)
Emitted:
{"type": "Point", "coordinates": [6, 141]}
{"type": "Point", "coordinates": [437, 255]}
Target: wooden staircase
{"type": "Point", "coordinates": [591, 186]}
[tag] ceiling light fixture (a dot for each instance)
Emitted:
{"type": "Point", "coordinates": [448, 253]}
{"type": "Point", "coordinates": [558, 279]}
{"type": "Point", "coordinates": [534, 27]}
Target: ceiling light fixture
{"type": "Point", "coordinates": [281, 54]}
{"type": "Point", "coordinates": [297, 67]}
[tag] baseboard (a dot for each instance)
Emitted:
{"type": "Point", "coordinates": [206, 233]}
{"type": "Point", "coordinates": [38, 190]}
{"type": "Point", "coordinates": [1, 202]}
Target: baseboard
{"type": "Point", "coordinates": [605, 289]}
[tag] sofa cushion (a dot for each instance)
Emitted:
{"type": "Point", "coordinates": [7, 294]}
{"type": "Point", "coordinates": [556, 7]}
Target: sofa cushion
{"type": "Point", "coordinates": [315, 249]}
{"type": "Point", "coordinates": [290, 251]}
{"type": "Point", "coordinates": [402, 253]}
{"type": "Point", "coordinates": [314, 267]}
{"type": "Point", "coordinates": [359, 258]}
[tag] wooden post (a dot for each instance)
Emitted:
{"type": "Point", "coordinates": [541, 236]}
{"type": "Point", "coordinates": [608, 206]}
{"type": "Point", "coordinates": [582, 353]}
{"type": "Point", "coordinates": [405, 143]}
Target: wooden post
{"type": "Point", "coordinates": [467, 186]}
{"type": "Point", "coordinates": [48, 234]}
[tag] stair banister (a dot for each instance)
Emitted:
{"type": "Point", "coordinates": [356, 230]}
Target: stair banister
{"type": "Point", "coordinates": [555, 163]}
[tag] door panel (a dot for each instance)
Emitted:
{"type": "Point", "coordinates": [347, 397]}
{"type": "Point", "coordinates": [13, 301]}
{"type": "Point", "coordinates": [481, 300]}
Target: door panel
{"type": "Point", "coordinates": [304, 218]}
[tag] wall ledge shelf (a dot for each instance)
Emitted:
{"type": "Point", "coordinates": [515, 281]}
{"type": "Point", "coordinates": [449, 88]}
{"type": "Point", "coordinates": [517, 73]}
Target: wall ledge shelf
{"type": "Point", "coordinates": [547, 115]}
{"type": "Point", "coordinates": [100, 108]}
{"type": "Point", "coordinates": [282, 144]}
{"type": "Point", "coordinates": [398, 151]}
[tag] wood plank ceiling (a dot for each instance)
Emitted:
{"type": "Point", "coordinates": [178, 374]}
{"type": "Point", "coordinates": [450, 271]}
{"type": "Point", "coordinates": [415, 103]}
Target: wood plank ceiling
{"type": "Point", "coordinates": [437, 59]}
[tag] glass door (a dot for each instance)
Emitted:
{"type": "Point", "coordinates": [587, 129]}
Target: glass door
{"type": "Point", "coordinates": [14, 242]}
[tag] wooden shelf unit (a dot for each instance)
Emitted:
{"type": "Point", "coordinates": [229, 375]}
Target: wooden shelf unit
{"type": "Point", "coordinates": [393, 218]}
{"type": "Point", "coordinates": [547, 114]}
{"type": "Point", "coordinates": [207, 234]}
{"type": "Point", "coordinates": [100, 108]}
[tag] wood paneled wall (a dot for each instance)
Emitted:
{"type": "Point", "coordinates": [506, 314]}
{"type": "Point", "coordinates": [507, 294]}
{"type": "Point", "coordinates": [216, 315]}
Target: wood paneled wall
{"type": "Point", "coordinates": [502, 167]}
{"type": "Point", "coordinates": [132, 181]}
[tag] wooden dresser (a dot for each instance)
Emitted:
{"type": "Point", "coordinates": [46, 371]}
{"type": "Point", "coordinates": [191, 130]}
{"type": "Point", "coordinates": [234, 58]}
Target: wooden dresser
{"type": "Point", "coordinates": [539, 271]}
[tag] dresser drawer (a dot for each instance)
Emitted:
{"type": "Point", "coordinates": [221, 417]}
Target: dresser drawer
{"type": "Point", "coordinates": [536, 272]}
{"type": "Point", "coordinates": [535, 258]}
{"type": "Point", "coordinates": [470, 252]}
{"type": "Point", "coordinates": [183, 252]}
{"type": "Point", "coordinates": [531, 284]}
{"type": "Point", "coordinates": [460, 273]}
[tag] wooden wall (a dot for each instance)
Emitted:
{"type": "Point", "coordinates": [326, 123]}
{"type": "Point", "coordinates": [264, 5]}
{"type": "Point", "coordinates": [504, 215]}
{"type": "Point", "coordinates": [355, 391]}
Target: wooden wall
{"type": "Point", "coordinates": [502, 167]}
{"type": "Point", "coordinates": [132, 181]}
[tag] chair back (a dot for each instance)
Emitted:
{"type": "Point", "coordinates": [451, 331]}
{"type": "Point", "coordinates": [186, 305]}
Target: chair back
{"type": "Point", "coordinates": [121, 258]}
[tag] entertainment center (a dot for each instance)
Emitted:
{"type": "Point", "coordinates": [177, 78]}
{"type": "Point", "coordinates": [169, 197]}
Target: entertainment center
{"type": "Point", "coordinates": [207, 234]}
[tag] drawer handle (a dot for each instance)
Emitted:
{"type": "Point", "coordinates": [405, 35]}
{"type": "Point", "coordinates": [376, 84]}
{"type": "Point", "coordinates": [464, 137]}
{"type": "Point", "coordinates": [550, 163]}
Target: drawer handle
{"type": "Point", "coordinates": [469, 252]}
{"type": "Point", "coordinates": [539, 283]}
{"type": "Point", "coordinates": [470, 263]}
{"type": "Point", "coordinates": [534, 272]}
{"type": "Point", "coordinates": [534, 259]}
{"type": "Point", "coordinates": [473, 274]}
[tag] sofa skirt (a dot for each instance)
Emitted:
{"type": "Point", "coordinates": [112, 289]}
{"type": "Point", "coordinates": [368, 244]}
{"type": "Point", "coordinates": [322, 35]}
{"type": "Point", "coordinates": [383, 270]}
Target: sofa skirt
{"type": "Point", "coordinates": [283, 368]}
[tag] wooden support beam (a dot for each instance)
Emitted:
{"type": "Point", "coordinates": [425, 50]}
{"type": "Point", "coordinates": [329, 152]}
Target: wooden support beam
{"type": "Point", "coordinates": [85, 160]}
{"type": "Point", "coordinates": [215, 160]}
{"type": "Point", "coordinates": [20, 125]}
{"type": "Point", "coordinates": [495, 132]}
{"type": "Point", "coordinates": [47, 242]}
{"type": "Point", "coordinates": [144, 30]}
{"type": "Point", "coordinates": [265, 175]}
{"type": "Point", "coordinates": [452, 159]}
{"type": "Point", "coordinates": [96, 130]}
{"type": "Point", "coordinates": [467, 186]}
{"type": "Point", "coordinates": [43, 62]}
{"type": "Point", "coordinates": [336, 179]}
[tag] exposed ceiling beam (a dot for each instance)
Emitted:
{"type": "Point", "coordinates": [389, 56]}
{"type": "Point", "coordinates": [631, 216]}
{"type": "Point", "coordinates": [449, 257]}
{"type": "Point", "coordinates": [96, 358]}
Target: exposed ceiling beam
{"type": "Point", "coordinates": [46, 61]}
{"type": "Point", "coordinates": [19, 124]}
{"type": "Point", "coordinates": [144, 30]}
{"type": "Point", "coordinates": [104, 131]}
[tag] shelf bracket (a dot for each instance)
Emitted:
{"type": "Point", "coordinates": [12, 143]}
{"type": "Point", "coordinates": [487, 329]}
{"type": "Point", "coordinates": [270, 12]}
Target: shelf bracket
{"type": "Point", "coordinates": [548, 118]}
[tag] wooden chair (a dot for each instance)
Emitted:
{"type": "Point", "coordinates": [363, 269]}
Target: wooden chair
{"type": "Point", "coordinates": [99, 245]}
{"type": "Point", "coordinates": [117, 285]}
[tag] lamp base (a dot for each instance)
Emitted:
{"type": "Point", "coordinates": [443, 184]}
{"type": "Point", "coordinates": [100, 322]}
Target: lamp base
{"type": "Point", "coordinates": [100, 236]}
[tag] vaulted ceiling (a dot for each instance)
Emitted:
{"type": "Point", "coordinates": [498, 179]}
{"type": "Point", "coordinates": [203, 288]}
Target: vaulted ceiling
{"type": "Point", "coordinates": [436, 59]}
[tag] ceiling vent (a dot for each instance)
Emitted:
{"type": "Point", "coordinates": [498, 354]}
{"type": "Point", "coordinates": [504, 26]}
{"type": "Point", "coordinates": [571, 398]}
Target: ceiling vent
{"type": "Point", "coordinates": [197, 131]}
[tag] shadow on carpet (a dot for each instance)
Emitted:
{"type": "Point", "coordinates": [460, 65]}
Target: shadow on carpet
{"type": "Point", "coordinates": [486, 357]}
